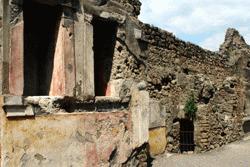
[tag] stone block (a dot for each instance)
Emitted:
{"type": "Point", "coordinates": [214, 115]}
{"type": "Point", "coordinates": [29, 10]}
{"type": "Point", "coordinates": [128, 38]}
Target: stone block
{"type": "Point", "coordinates": [137, 33]}
{"type": "Point", "coordinates": [14, 107]}
{"type": "Point", "coordinates": [139, 106]}
{"type": "Point", "coordinates": [19, 111]}
{"type": "Point", "coordinates": [13, 100]}
{"type": "Point", "coordinates": [156, 115]}
{"type": "Point", "coordinates": [113, 16]}
{"type": "Point", "coordinates": [114, 87]}
{"type": "Point", "coordinates": [157, 141]}
{"type": "Point", "coordinates": [107, 99]}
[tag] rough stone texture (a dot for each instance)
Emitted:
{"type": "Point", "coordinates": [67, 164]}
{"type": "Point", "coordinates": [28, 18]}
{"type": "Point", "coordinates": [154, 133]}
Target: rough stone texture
{"type": "Point", "coordinates": [157, 116]}
{"type": "Point", "coordinates": [173, 138]}
{"type": "Point", "coordinates": [176, 70]}
{"type": "Point", "coordinates": [139, 107]}
{"type": "Point", "coordinates": [157, 141]}
{"type": "Point", "coordinates": [149, 77]}
{"type": "Point", "coordinates": [139, 157]}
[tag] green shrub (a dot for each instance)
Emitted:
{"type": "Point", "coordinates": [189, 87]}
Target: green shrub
{"type": "Point", "coordinates": [191, 108]}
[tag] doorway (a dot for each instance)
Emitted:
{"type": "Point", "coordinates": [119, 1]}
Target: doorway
{"type": "Point", "coordinates": [186, 135]}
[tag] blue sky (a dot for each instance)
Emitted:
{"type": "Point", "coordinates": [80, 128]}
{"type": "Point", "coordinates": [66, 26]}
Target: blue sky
{"type": "Point", "coordinates": [202, 22]}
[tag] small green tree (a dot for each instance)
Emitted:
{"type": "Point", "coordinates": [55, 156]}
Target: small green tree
{"type": "Point", "coordinates": [191, 108]}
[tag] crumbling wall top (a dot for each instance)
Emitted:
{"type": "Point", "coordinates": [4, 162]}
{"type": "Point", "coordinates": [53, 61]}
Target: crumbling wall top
{"type": "Point", "coordinates": [233, 41]}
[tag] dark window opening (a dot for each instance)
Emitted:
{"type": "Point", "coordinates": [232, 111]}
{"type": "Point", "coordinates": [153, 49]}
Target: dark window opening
{"type": "Point", "coordinates": [186, 135]}
{"type": "Point", "coordinates": [104, 45]}
{"type": "Point", "coordinates": [246, 127]}
{"type": "Point", "coordinates": [41, 24]}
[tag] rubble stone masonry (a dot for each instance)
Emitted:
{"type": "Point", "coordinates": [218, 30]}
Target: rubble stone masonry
{"type": "Point", "coordinates": [109, 90]}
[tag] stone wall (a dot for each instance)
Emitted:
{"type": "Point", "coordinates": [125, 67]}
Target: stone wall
{"type": "Point", "coordinates": [178, 69]}
{"type": "Point", "coordinates": [151, 76]}
{"type": "Point", "coordinates": [133, 5]}
{"type": "Point", "coordinates": [61, 131]}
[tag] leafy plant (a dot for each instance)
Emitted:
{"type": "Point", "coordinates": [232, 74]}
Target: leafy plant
{"type": "Point", "coordinates": [191, 108]}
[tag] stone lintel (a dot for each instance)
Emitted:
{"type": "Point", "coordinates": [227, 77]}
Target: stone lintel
{"type": "Point", "coordinates": [113, 16]}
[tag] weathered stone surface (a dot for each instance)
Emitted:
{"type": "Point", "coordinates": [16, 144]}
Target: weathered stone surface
{"type": "Point", "coordinates": [157, 141]}
{"type": "Point", "coordinates": [16, 79]}
{"type": "Point", "coordinates": [179, 70]}
{"type": "Point", "coordinates": [63, 76]}
{"type": "Point", "coordinates": [13, 100]}
{"type": "Point", "coordinates": [85, 139]}
{"type": "Point", "coordinates": [173, 138]}
{"type": "Point", "coordinates": [113, 16]}
{"type": "Point", "coordinates": [139, 107]}
{"type": "Point", "coordinates": [88, 62]}
{"type": "Point", "coordinates": [156, 116]}
{"type": "Point", "coordinates": [150, 75]}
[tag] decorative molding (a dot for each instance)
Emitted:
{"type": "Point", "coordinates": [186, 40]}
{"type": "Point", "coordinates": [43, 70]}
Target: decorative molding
{"type": "Point", "coordinates": [14, 107]}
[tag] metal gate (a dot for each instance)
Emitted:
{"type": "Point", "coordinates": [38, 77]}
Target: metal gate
{"type": "Point", "coordinates": [186, 135]}
{"type": "Point", "coordinates": [186, 141]}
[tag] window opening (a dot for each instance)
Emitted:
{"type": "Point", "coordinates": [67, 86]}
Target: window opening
{"type": "Point", "coordinates": [104, 43]}
{"type": "Point", "coordinates": [41, 24]}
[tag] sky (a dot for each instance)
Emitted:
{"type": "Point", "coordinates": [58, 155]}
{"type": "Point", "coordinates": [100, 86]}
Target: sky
{"type": "Point", "coordinates": [203, 22]}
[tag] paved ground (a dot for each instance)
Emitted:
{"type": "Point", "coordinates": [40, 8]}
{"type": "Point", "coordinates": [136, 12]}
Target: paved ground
{"type": "Point", "coordinates": [233, 155]}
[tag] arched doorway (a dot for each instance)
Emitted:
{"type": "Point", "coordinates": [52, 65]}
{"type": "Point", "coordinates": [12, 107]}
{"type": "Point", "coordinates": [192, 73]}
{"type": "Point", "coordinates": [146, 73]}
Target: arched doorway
{"type": "Point", "coordinates": [186, 135]}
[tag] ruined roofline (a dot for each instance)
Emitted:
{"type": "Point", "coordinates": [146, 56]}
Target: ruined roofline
{"type": "Point", "coordinates": [233, 41]}
{"type": "Point", "coordinates": [163, 39]}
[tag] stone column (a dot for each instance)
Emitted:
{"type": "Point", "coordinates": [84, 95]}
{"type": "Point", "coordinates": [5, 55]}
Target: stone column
{"type": "Point", "coordinates": [88, 62]}
{"type": "Point", "coordinates": [63, 77]}
{"type": "Point", "coordinates": [79, 29]}
{"type": "Point", "coordinates": [84, 55]}
{"type": "Point", "coordinates": [16, 50]}
{"type": "Point", "coordinates": [1, 47]}
{"type": "Point", "coordinates": [139, 107]}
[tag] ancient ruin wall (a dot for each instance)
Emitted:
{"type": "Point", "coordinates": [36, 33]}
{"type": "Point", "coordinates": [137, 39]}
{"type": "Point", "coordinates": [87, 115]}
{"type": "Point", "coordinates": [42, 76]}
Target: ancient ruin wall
{"type": "Point", "coordinates": [146, 62]}
{"type": "Point", "coordinates": [178, 69]}
{"type": "Point", "coordinates": [173, 70]}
